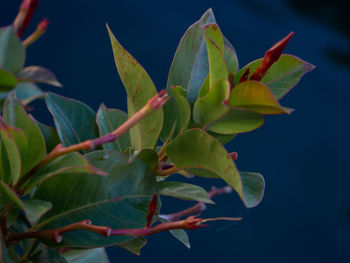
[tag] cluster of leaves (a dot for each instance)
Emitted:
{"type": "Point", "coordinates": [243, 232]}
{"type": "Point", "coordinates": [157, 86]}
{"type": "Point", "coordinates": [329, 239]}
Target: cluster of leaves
{"type": "Point", "coordinates": [106, 169]}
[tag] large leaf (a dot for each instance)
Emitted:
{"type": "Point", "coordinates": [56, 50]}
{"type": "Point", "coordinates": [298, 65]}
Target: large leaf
{"type": "Point", "coordinates": [179, 234]}
{"type": "Point", "coordinates": [74, 120]}
{"type": "Point", "coordinates": [38, 74]}
{"type": "Point", "coordinates": [119, 200]}
{"type": "Point", "coordinates": [283, 74]}
{"type": "Point", "coordinates": [10, 155]}
{"type": "Point", "coordinates": [12, 52]}
{"type": "Point", "coordinates": [184, 191]}
{"type": "Point", "coordinates": [86, 256]}
{"type": "Point", "coordinates": [7, 80]}
{"type": "Point", "coordinates": [140, 89]}
{"type": "Point", "coordinates": [67, 164]}
{"type": "Point", "coordinates": [255, 96]}
{"type": "Point", "coordinates": [196, 149]}
{"type": "Point", "coordinates": [9, 197]}
{"type": "Point", "coordinates": [15, 115]}
{"type": "Point", "coordinates": [108, 120]}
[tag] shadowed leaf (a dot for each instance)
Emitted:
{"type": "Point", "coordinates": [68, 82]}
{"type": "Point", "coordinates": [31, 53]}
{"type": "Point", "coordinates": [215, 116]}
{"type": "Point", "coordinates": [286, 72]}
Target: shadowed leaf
{"type": "Point", "coordinates": [38, 74]}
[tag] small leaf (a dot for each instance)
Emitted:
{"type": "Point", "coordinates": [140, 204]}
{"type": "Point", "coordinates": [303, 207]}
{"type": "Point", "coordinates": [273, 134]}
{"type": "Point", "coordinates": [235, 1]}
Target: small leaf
{"type": "Point", "coordinates": [180, 105]}
{"type": "Point", "coordinates": [179, 234]}
{"type": "Point", "coordinates": [12, 52]}
{"type": "Point", "coordinates": [39, 75]}
{"type": "Point", "coordinates": [9, 197]}
{"type": "Point", "coordinates": [184, 191]}
{"type": "Point", "coordinates": [75, 121]}
{"type": "Point", "coordinates": [140, 89]}
{"type": "Point", "coordinates": [255, 96]}
{"type": "Point", "coordinates": [199, 153]}
{"type": "Point", "coordinates": [15, 115]}
{"type": "Point", "coordinates": [134, 245]}
{"type": "Point", "coordinates": [96, 255]}
{"type": "Point", "coordinates": [48, 255]}
{"type": "Point", "coordinates": [10, 156]}
{"type": "Point", "coordinates": [50, 135]}
{"type": "Point", "coordinates": [108, 120]}
{"type": "Point", "coordinates": [35, 209]}
{"type": "Point", "coordinates": [149, 157]}
{"type": "Point", "coordinates": [282, 76]}
{"type": "Point", "coordinates": [7, 80]}
{"type": "Point", "coordinates": [27, 92]}
{"type": "Point", "coordinates": [253, 187]}
{"type": "Point", "coordinates": [222, 138]}
{"type": "Point", "coordinates": [230, 57]}
{"type": "Point", "coordinates": [210, 107]}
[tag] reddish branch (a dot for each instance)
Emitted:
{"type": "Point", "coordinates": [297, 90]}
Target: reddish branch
{"type": "Point", "coordinates": [24, 15]}
{"type": "Point", "coordinates": [199, 207]}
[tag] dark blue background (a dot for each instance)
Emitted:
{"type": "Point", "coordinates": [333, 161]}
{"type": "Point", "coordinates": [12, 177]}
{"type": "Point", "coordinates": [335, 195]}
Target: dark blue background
{"type": "Point", "coordinates": [305, 215]}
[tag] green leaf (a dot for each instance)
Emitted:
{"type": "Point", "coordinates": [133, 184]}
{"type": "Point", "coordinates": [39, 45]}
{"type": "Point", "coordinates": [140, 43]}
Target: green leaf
{"type": "Point", "coordinates": [222, 138]}
{"type": "Point", "coordinates": [283, 74]}
{"type": "Point", "coordinates": [38, 74]}
{"type": "Point", "coordinates": [184, 191]}
{"type": "Point", "coordinates": [253, 187]}
{"type": "Point", "coordinates": [10, 156]}
{"type": "Point", "coordinates": [12, 52]}
{"type": "Point", "coordinates": [215, 43]}
{"type": "Point", "coordinates": [183, 113]}
{"type": "Point", "coordinates": [119, 200]}
{"type": "Point", "coordinates": [196, 149]}
{"type": "Point", "coordinates": [67, 164]}
{"type": "Point", "coordinates": [96, 255]}
{"type": "Point", "coordinates": [75, 121]}
{"type": "Point", "coordinates": [8, 196]}
{"type": "Point", "coordinates": [149, 157]}
{"type": "Point", "coordinates": [210, 107]}
{"type": "Point", "coordinates": [134, 245]}
{"type": "Point", "coordinates": [236, 120]}
{"type": "Point", "coordinates": [15, 115]}
{"type": "Point", "coordinates": [4, 255]}
{"type": "Point", "coordinates": [35, 209]}
{"type": "Point", "coordinates": [27, 92]}
{"type": "Point", "coordinates": [179, 234]}
{"type": "Point", "coordinates": [230, 57]}
{"type": "Point", "coordinates": [50, 135]}
{"type": "Point", "coordinates": [108, 120]}
{"type": "Point", "coordinates": [255, 96]}
{"type": "Point", "coordinates": [140, 89]}
{"type": "Point", "coordinates": [7, 80]}
{"type": "Point", "coordinates": [48, 255]}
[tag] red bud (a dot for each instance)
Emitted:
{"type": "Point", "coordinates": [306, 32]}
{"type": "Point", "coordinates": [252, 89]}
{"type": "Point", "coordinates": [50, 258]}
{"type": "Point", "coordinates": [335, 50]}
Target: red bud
{"type": "Point", "coordinates": [152, 209]}
{"type": "Point", "coordinates": [245, 76]}
{"type": "Point", "coordinates": [43, 25]}
{"type": "Point", "coordinates": [29, 7]}
{"type": "Point", "coordinates": [271, 56]}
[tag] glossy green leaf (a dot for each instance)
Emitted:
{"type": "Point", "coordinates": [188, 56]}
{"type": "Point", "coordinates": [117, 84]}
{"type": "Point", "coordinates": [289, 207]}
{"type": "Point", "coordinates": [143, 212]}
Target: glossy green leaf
{"type": "Point", "coordinates": [179, 234]}
{"type": "Point", "coordinates": [15, 115]}
{"type": "Point", "coordinates": [140, 89]}
{"type": "Point", "coordinates": [184, 191]}
{"type": "Point", "coordinates": [71, 163]}
{"type": "Point", "coordinates": [35, 209]}
{"type": "Point", "coordinates": [75, 121]}
{"type": "Point", "coordinates": [10, 157]}
{"type": "Point", "coordinates": [236, 120]}
{"type": "Point", "coordinates": [215, 45]}
{"type": "Point", "coordinates": [134, 245]}
{"type": "Point", "coordinates": [108, 120]}
{"type": "Point", "coordinates": [8, 196]}
{"type": "Point", "coordinates": [96, 255]}
{"type": "Point", "coordinates": [283, 74]}
{"type": "Point", "coordinates": [183, 113]}
{"type": "Point", "coordinates": [4, 255]}
{"type": "Point", "coordinates": [7, 81]}
{"type": "Point", "coordinates": [196, 149]}
{"type": "Point", "coordinates": [119, 200]}
{"type": "Point", "coordinates": [48, 255]}
{"type": "Point", "coordinates": [50, 135]}
{"type": "Point", "coordinates": [12, 52]}
{"type": "Point", "coordinates": [255, 96]}
{"type": "Point", "coordinates": [210, 107]}
{"type": "Point", "coordinates": [38, 74]}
